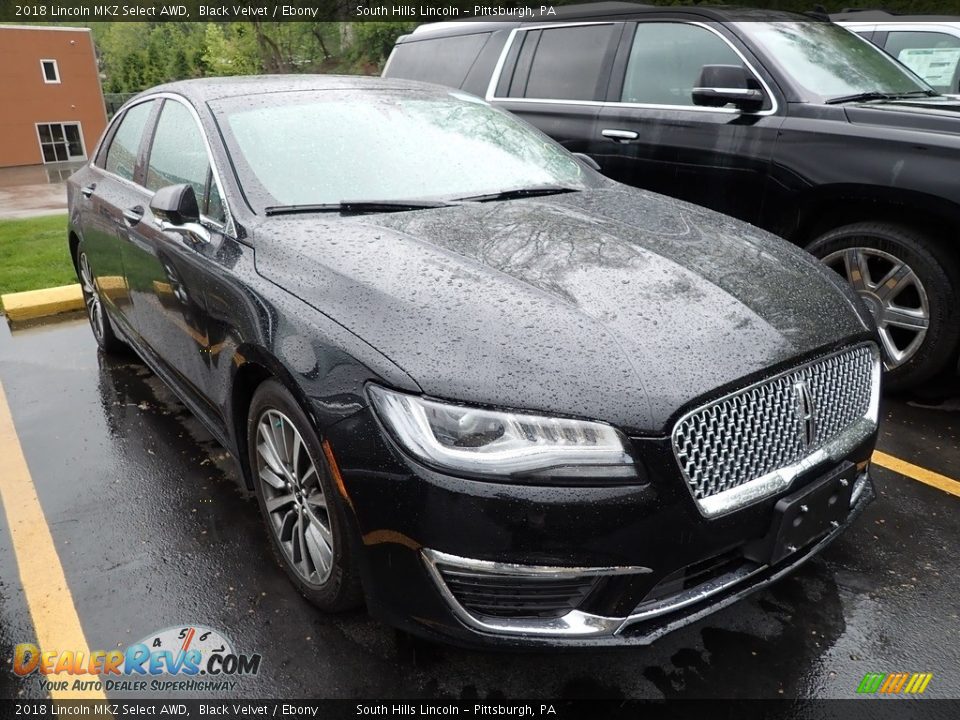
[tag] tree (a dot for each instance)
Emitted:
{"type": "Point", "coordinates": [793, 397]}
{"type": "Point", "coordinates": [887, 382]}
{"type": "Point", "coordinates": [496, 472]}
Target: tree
{"type": "Point", "coordinates": [373, 41]}
{"type": "Point", "coordinates": [225, 54]}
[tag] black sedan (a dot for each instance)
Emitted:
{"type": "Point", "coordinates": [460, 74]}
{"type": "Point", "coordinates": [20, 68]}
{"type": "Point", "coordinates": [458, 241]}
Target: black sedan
{"type": "Point", "coordinates": [500, 398]}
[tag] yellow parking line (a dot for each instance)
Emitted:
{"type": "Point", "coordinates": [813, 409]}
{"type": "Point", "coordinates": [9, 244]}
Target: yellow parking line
{"type": "Point", "coordinates": [915, 472]}
{"type": "Point", "coordinates": [45, 587]}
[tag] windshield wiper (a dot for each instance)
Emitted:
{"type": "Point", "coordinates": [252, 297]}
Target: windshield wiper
{"type": "Point", "coordinates": [357, 207]}
{"type": "Point", "coordinates": [524, 192]}
{"type": "Point", "coordinates": [876, 95]}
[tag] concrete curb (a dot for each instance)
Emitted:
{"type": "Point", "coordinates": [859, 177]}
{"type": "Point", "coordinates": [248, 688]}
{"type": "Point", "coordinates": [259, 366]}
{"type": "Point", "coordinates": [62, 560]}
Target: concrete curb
{"type": "Point", "coordinates": [41, 303]}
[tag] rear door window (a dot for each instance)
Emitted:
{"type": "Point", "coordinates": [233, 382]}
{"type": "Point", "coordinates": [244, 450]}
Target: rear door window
{"type": "Point", "coordinates": [565, 63]}
{"type": "Point", "coordinates": [125, 145]}
{"type": "Point", "coordinates": [934, 56]}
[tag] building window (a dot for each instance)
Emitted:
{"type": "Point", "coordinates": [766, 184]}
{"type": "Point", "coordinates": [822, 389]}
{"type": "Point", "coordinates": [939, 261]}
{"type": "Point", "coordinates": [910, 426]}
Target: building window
{"type": "Point", "coordinates": [51, 73]}
{"type": "Point", "coordinates": [60, 142]}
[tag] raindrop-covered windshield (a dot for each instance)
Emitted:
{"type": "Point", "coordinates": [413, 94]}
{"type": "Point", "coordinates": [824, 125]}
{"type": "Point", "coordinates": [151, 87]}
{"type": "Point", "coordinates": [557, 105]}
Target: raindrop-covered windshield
{"type": "Point", "coordinates": [328, 147]}
{"type": "Point", "coordinates": [828, 61]}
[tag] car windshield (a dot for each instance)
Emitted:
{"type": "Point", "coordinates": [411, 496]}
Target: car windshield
{"type": "Point", "coordinates": [830, 62]}
{"type": "Point", "coordinates": [316, 148]}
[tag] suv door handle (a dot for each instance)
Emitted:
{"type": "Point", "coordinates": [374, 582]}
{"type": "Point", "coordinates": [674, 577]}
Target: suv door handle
{"type": "Point", "coordinates": [133, 215]}
{"type": "Point", "coordinates": [620, 136]}
{"type": "Point", "coordinates": [88, 190]}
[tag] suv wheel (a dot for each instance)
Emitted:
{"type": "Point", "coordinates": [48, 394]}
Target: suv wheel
{"type": "Point", "coordinates": [910, 288]}
{"type": "Point", "coordinates": [302, 511]}
{"type": "Point", "coordinates": [96, 312]}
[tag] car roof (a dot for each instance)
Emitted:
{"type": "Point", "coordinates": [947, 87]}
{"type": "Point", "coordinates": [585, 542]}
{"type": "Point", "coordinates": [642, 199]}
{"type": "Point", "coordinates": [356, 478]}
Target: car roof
{"type": "Point", "coordinates": [606, 10]}
{"type": "Point", "coordinates": [201, 90]}
{"type": "Point", "coordinates": [884, 16]}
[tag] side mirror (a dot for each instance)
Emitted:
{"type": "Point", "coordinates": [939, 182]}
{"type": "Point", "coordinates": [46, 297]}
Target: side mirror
{"type": "Point", "coordinates": [176, 209]}
{"type": "Point", "coordinates": [722, 85]}
{"type": "Point", "coordinates": [177, 204]}
{"type": "Point", "coordinates": [588, 161]}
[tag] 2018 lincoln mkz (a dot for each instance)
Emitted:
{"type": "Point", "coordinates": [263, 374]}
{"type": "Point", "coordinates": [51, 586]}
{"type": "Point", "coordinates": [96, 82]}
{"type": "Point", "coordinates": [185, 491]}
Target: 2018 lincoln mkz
{"type": "Point", "coordinates": [497, 396]}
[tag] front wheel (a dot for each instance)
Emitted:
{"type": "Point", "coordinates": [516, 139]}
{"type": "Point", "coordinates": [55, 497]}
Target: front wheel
{"type": "Point", "coordinates": [910, 287]}
{"type": "Point", "coordinates": [300, 506]}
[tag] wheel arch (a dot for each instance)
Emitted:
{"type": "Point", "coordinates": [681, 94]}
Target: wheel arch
{"type": "Point", "coordinates": [830, 206]}
{"type": "Point", "coordinates": [254, 366]}
{"type": "Point", "coordinates": [73, 241]}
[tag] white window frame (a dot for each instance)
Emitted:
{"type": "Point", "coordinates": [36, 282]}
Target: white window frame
{"type": "Point", "coordinates": [56, 71]}
{"type": "Point", "coordinates": [63, 124]}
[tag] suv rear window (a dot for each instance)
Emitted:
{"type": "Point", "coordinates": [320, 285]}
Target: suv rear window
{"type": "Point", "coordinates": [567, 63]}
{"type": "Point", "coordinates": [445, 61]}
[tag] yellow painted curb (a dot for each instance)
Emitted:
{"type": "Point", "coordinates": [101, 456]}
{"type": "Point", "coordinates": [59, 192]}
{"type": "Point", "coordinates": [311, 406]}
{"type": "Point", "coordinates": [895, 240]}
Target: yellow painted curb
{"type": "Point", "coordinates": [40, 303]}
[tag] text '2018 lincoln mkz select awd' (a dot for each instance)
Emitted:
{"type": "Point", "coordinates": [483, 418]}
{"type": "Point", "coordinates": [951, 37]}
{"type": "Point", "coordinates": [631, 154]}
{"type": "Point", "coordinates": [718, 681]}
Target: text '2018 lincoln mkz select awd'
{"type": "Point", "coordinates": [497, 396]}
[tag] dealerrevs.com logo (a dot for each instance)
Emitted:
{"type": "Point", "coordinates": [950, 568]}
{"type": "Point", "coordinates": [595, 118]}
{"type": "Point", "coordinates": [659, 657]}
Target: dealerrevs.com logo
{"type": "Point", "coordinates": [894, 683]}
{"type": "Point", "coordinates": [189, 658]}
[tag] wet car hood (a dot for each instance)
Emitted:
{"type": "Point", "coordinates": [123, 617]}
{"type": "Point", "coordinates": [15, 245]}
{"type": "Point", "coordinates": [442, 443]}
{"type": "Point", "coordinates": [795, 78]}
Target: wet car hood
{"type": "Point", "coordinates": [939, 115]}
{"type": "Point", "coordinates": [614, 304]}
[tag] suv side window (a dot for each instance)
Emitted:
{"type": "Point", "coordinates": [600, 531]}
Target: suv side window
{"type": "Point", "coordinates": [565, 63]}
{"type": "Point", "coordinates": [445, 61]}
{"type": "Point", "coordinates": [934, 56]}
{"type": "Point", "coordinates": [666, 59]}
{"type": "Point", "coordinates": [125, 146]}
{"type": "Point", "coordinates": [178, 155]}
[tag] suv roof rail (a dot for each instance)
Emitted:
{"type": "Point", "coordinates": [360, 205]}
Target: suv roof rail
{"type": "Point", "coordinates": [878, 11]}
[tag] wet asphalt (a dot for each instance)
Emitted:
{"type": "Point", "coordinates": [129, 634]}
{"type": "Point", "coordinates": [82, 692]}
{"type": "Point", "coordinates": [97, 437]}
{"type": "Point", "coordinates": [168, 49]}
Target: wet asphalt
{"type": "Point", "coordinates": [154, 530]}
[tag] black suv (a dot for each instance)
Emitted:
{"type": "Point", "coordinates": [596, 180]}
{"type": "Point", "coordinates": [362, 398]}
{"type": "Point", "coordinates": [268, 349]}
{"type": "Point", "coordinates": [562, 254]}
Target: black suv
{"type": "Point", "coordinates": [791, 123]}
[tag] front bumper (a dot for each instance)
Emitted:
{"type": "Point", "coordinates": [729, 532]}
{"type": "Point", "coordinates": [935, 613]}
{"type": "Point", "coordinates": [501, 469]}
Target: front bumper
{"type": "Point", "coordinates": [648, 621]}
{"type": "Point", "coordinates": [480, 563]}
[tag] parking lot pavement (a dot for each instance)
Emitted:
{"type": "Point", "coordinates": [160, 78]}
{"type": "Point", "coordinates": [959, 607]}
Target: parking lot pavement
{"type": "Point", "coordinates": [152, 530]}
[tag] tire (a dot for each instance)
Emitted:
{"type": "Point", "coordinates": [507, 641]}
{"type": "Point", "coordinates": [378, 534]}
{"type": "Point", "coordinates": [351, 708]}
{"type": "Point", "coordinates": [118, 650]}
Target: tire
{"type": "Point", "coordinates": [103, 332]}
{"type": "Point", "coordinates": [917, 317]}
{"type": "Point", "coordinates": [319, 561]}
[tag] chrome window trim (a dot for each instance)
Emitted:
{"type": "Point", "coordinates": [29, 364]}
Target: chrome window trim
{"type": "Point", "coordinates": [227, 227]}
{"type": "Point", "coordinates": [501, 61]}
{"type": "Point", "coordinates": [780, 479]}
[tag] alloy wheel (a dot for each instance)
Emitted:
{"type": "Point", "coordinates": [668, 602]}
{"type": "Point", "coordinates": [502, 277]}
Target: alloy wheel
{"type": "Point", "coordinates": [91, 298]}
{"type": "Point", "coordinates": [894, 295]}
{"type": "Point", "coordinates": [296, 506]}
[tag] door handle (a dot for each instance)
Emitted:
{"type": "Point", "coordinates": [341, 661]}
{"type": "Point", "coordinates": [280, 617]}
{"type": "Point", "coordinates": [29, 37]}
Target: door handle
{"type": "Point", "coordinates": [88, 190]}
{"type": "Point", "coordinates": [620, 136]}
{"type": "Point", "coordinates": [133, 215]}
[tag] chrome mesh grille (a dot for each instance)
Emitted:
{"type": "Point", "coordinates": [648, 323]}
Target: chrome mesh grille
{"type": "Point", "coordinates": [768, 426]}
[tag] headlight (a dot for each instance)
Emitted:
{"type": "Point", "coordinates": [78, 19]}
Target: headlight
{"type": "Point", "coordinates": [476, 441]}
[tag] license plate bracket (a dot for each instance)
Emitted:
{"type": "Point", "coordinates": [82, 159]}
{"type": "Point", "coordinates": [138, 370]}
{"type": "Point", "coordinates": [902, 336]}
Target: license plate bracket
{"type": "Point", "coordinates": [805, 515]}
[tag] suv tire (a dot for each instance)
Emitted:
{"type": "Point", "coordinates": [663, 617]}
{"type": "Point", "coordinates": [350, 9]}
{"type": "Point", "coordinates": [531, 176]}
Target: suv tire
{"type": "Point", "coordinates": [871, 255]}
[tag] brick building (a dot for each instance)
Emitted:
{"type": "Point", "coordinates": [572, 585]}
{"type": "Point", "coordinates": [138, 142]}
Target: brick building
{"type": "Point", "coordinates": [51, 109]}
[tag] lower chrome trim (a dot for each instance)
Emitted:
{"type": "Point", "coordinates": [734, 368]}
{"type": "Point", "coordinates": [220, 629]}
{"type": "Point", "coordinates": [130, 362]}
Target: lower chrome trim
{"type": "Point", "coordinates": [579, 625]}
{"type": "Point", "coordinates": [573, 624]}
